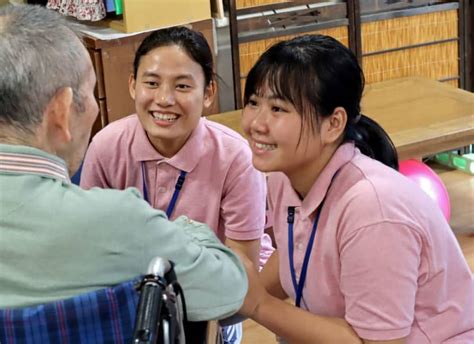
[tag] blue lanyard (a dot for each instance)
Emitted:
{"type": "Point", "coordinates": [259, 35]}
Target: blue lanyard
{"type": "Point", "coordinates": [177, 189]}
{"type": "Point", "coordinates": [298, 286]}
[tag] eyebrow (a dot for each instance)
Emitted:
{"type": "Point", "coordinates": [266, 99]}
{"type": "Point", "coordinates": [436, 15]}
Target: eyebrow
{"type": "Point", "coordinates": [270, 97]}
{"type": "Point", "coordinates": [145, 74]}
{"type": "Point", "coordinates": [275, 97]}
{"type": "Point", "coordinates": [185, 76]}
{"type": "Point", "coordinates": [179, 77]}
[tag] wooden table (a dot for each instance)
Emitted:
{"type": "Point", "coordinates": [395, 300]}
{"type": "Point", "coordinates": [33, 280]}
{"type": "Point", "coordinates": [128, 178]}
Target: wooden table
{"type": "Point", "coordinates": [422, 116]}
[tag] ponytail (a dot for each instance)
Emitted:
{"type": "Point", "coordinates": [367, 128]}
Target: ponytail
{"type": "Point", "coordinates": [372, 141]}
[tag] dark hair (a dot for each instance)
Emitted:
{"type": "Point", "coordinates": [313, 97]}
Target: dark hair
{"type": "Point", "coordinates": [316, 74]}
{"type": "Point", "coordinates": [193, 42]}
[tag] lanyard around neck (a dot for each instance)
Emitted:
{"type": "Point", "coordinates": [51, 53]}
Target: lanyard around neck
{"type": "Point", "coordinates": [299, 285]}
{"type": "Point", "coordinates": [177, 190]}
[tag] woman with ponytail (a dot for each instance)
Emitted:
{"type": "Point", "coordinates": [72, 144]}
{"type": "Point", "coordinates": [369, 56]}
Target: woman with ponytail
{"type": "Point", "coordinates": [366, 256]}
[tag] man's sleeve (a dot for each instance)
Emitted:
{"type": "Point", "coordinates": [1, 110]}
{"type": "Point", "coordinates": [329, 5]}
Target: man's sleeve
{"type": "Point", "coordinates": [211, 275]}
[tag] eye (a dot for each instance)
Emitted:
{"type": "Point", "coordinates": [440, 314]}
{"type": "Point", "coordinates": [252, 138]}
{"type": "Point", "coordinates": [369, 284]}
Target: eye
{"type": "Point", "coordinates": [183, 86]}
{"type": "Point", "coordinates": [279, 105]}
{"type": "Point", "coordinates": [278, 109]}
{"type": "Point", "coordinates": [252, 102]}
{"type": "Point", "coordinates": [151, 84]}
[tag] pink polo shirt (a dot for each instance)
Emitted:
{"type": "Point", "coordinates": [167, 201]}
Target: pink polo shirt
{"type": "Point", "coordinates": [221, 189]}
{"type": "Point", "coordinates": [384, 257]}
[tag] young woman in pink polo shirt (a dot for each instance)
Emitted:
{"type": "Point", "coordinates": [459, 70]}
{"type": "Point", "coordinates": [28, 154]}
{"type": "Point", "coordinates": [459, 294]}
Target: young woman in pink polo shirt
{"type": "Point", "coordinates": [363, 252]}
{"type": "Point", "coordinates": [182, 163]}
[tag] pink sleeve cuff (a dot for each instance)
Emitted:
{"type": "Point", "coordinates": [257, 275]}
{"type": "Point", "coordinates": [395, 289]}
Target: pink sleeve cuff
{"type": "Point", "coordinates": [241, 234]}
{"type": "Point", "coordinates": [371, 334]}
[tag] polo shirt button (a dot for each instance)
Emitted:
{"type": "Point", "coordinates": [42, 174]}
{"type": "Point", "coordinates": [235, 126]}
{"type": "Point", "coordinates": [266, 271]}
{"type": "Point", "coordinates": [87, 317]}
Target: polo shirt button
{"type": "Point", "coordinates": [161, 189]}
{"type": "Point", "coordinates": [299, 246]}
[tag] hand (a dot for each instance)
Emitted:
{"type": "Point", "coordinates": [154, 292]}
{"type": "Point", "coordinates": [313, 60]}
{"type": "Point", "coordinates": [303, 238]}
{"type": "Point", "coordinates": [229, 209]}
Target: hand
{"type": "Point", "coordinates": [256, 293]}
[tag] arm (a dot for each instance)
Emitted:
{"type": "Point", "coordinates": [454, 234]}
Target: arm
{"type": "Point", "coordinates": [243, 208]}
{"type": "Point", "coordinates": [250, 248]}
{"type": "Point", "coordinates": [288, 321]}
{"type": "Point", "coordinates": [265, 306]}
{"type": "Point", "coordinates": [211, 275]}
{"type": "Point", "coordinates": [299, 326]}
{"type": "Point", "coordinates": [270, 277]}
{"type": "Point", "coordinates": [271, 282]}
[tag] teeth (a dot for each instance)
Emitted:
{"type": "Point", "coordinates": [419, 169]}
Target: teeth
{"type": "Point", "coordinates": [265, 146]}
{"type": "Point", "coordinates": [164, 117]}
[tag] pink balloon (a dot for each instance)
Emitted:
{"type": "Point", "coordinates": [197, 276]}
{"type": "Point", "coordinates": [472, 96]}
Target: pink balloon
{"type": "Point", "coordinates": [429, 182]}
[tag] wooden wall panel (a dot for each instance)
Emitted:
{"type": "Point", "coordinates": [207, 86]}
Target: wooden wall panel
{"type": "Point", "coordinates": [439, 61]}
{"type": "Point", "coordinates": [405, 31]}
{"type": "Point", "coordinates": [253, 3]}
{"type": "Point", "coordinates": [420, 45]}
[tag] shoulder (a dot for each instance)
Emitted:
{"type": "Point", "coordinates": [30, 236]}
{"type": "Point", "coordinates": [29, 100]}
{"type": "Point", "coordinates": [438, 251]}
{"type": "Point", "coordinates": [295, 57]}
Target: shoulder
{"type": "Point", "coordinates": [117, 132]}
{"type": "Point", "coordinates": [367, 177]}
{"type": "Point", "coordinates": [227, 148]}
{"type": "Point", "coordinates": [114, 139]}
{"type": "Point", "coordinates": [111, 207]}
{"type": "Point", "coordinates": [224, 135]}
{"type": "Point", "coordinates": [278, 187]}
{"type": "Point", "coordinates": [367, 192]}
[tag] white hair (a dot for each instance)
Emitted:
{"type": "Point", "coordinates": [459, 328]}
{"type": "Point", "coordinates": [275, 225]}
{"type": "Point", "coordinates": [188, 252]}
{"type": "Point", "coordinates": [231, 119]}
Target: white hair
{"type": "Point", "coordinates": [39, 54]}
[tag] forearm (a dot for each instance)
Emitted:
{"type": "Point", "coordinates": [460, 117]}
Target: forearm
{"type": "Point", "coordinates": [270, 277]}
{"type": "Point", "coordinates": [298, 326]}
{"type": "Point", "coordinates": [250, 248]}
{"type": "Point", "coordinates": [212, 276]}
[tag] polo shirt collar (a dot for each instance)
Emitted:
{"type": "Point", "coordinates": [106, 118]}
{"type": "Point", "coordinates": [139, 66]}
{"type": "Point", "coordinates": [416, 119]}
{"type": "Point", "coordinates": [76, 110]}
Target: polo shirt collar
{"type": "Point", "coordinates": [318, 191]}
{"type": "Point", "coordinates": [187, 157]}
{"type": "Point", "coordinates": [18, 159]}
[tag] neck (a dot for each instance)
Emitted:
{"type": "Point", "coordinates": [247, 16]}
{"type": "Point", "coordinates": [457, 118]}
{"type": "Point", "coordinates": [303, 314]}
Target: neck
{"type": "Point", "coordinates": [36, 138]}
{"type": "Point", "coordinates": [304, 177]}
{"type": "Point", "coordinates": [11, 136]}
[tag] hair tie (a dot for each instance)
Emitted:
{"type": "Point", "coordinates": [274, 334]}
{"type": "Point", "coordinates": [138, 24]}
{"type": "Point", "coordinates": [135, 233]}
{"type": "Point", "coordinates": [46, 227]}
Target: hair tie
{"type": "Point", "coordinates": [357, 118]}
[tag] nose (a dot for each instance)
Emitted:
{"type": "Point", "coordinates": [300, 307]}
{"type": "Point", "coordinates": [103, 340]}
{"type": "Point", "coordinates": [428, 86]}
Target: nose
{"type": "Point", "coordinates": [164, 96]}
{"type": "Point", "coordinates": [259, 121]}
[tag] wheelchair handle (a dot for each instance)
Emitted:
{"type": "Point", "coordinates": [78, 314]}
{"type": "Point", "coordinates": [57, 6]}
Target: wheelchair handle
{"type": "Point", "coordinates": [159, 267]}
{"type": "Point", "coordinates": [156, 300]}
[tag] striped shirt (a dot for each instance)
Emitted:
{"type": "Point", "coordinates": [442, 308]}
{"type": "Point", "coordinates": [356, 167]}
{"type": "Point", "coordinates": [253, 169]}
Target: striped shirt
{"type": "Point", "coordinates": [33, 164]}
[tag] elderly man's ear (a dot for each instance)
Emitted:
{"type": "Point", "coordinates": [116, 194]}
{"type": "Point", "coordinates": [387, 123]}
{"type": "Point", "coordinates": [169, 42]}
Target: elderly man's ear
{"type": "Point", "coordinates": [57, 115]}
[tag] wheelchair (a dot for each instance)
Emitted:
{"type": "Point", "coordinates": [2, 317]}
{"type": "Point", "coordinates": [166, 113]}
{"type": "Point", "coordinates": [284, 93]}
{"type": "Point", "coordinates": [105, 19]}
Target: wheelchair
{"type": "Point", "coordinates": [149, 309]}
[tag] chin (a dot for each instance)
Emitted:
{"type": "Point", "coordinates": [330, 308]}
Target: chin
{"type": "Point", "coordinates": [262, 166]}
